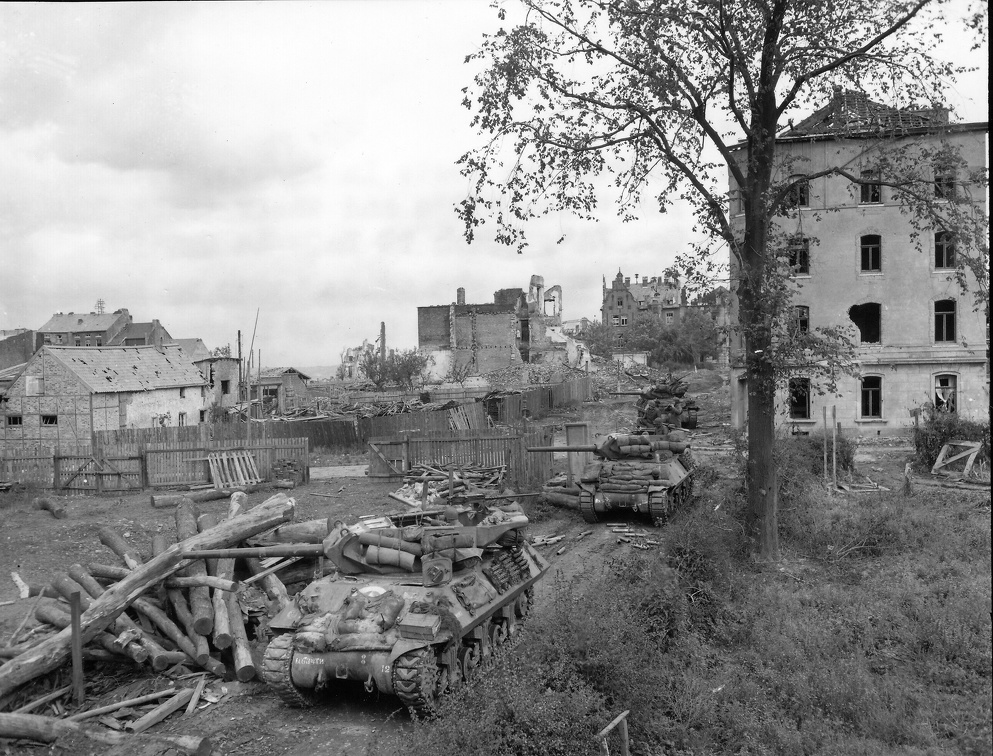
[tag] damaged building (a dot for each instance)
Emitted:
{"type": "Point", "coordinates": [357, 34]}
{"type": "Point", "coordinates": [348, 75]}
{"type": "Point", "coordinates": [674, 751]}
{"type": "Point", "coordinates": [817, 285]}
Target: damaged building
{"type": "Point", "coordinates": [518, 327]}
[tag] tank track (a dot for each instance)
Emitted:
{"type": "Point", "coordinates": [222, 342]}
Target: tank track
{"type": "Point", "coordinates": [276, 673]}
{"type": "Point", "coordinates": [416, 673]}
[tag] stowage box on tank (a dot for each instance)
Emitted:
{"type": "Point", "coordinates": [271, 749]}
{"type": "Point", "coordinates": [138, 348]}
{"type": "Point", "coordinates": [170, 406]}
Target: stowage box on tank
{"type": "Point", "coordinates": [419, 602]}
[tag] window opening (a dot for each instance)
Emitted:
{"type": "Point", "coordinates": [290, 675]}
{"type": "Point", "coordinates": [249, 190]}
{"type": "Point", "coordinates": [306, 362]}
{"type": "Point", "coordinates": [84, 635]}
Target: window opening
{"type": "Point", "coordinates": [870, 191]}
{"type": "Point", "coordinates": [944, 320]}
{"type": "Point", "coordinates": [624, 320]}
{"type": "Point", "coordinates": [945, 392]}
{"type": "Point", "coordinates": [799, 252]}
{"type": "Point", "coordinates": [15, 420]}
{"type": "Point", "coordinates": [49, 419]}
{"type": "Point", "coordinates": [944, 183]}
{"type": "Point", "coordinates": [944, 250]}
{"type": "Point", "coordinates": [802, 318]}
{"type": "Point", "coordinates": [225, 387]}
{"type": "Point", "coordinates": [872, 396]}
{"type": "Point", "coordinates": [871, 248]}
{"type": "Point", "coordinates": [799, 389]}
{"type": "Point", "coordinates": [867, 318]}
{"type": "Point", "coordinates": [799, 193]}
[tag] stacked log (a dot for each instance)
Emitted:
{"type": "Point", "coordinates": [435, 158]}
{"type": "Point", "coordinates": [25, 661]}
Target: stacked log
{"type": "Point", "coordinates": [433, 485]}
{"type": "Point", "coordinates": [159, 612]}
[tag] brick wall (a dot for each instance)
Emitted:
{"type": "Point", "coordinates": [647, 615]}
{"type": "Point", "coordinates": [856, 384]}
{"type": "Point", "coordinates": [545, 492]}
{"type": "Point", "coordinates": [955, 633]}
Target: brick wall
{"type": "Point", "coordinates": [432, 327]}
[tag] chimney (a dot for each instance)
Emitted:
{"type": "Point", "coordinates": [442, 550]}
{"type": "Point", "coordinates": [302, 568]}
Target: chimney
{"type": "Point", "coordinates": [460, 296]}
{"type": "Point", "coordinates": [627, 280]}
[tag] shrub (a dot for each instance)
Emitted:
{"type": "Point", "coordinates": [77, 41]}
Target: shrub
{"type": "Point", "coordinates": [936, 428]}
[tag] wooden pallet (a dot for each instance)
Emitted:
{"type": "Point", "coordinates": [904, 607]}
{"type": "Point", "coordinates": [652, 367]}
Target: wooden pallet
{"type": "Point", "coordinates": [233, 468]}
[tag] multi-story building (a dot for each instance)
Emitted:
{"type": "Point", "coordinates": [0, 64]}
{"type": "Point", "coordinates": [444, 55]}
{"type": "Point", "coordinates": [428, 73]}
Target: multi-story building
{"type": "Point", "coordinates": [84, 329]}
{"type": "Point", "coordinates": [860, 262]}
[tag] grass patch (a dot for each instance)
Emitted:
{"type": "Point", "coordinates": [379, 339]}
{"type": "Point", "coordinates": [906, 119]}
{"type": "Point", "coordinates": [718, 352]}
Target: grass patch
{"type": "Point", "coordinates": [872, 637]}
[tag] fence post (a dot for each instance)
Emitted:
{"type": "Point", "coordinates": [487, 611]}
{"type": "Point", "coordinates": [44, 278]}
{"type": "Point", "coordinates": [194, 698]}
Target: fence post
{"type": "Point", "coordinates": [621, 723]}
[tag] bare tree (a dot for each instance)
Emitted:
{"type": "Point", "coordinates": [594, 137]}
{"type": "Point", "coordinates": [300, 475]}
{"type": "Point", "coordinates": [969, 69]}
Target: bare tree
{"type": "Point", "coordinates": [580, 96]}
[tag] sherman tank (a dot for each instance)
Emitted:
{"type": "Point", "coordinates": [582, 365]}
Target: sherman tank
{"type": "Point", "coordinates": [418, 603]}
{"type": "Point", "coordinates": [663, 405]}
{"type": "Point", "coordinates": [647, 474]}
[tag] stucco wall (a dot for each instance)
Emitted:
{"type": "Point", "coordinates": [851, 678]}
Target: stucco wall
{"type": "Point", "coordinates": [18, 349]}
{"type": "Point", "coordinates": [147, 409]}
{"type": "Point", "coordinates": [906, 288]}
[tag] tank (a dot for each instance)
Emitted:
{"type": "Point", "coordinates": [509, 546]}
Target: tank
{"type": "Point", "coordinates": [664, 405]}
{"type": "Point", "coordinates": [419, 602]}
{"type": "Point", "coordinates": [647, 474]}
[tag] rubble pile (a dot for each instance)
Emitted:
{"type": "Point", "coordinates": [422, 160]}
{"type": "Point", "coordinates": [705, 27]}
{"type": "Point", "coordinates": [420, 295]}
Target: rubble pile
{"type": "Point", "coordinates": [436, 485]}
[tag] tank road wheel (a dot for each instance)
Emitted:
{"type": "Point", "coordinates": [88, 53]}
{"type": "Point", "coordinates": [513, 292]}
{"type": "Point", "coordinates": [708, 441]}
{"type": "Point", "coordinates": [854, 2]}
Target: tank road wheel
{"type": "Point", "coordinates": [586, 507]}
{"type": "Point", "coordinates": [276, 673]}
{"type": "Point", "coordinates": [498, 634]}
{"type": "Point", "coordinates": [524, 604]}
{"type": "Point", "coordinates": [658, 507]}
{"type": "Point", "coordinates": [416, 680]}
{"type": "Point", "coordinates": [469, 660]}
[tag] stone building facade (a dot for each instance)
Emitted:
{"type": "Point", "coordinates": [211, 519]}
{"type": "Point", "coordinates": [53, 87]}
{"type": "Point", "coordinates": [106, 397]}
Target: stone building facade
{"type": "Point", "coordinates": [861, 265]}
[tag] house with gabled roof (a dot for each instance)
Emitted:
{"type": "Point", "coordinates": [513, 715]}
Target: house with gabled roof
{"type": "Point", "coordinates": [141, 334]}
{"type": "Point", "coordinates": [281, 389]}
{"type": "Point", "coordinates": [64, 394]}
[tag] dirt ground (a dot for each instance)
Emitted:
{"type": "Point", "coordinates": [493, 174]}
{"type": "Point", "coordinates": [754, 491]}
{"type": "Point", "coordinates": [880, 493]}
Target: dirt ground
{"type": "Point", "coordinates": [247, 718]}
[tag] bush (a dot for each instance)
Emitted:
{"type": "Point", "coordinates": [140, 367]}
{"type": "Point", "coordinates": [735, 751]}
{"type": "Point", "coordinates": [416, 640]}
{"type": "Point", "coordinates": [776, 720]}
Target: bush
{"type": "Point", "coordinates": [936, 428]}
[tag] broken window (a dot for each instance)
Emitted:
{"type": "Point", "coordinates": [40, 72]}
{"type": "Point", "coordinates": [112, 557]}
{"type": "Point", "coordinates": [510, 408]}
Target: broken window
{"type": "Point", "coordinates": [225, 387]}
{"type": "Point", "coordinates": [870, 190]}
{"type": "Point", "coordinates": [871, 246]}
{"type": "Point", "coordinates": [944, 392]}
{"type": "Point", "coordinates": [615, 321]}
{"type": "Point", "coordinates": [799, 252]}
{"type": "Point", "coordinates": [798, 194]}
{"type": "Point", "coordinates": [801, 322]}
{"type": "Point", "coordinates": [866, 318]}
{"type": "Point", "coordinates": [799, 389]}
{"type": "Point", "coordinates": [944, 250]}
{"type": "Point", "coordinates": [944, 320]}
{"type": "Point", "coordinates": [944, 183]}
{"type": "Point", "coordinates": [15, 420]}
{"type": "Point", "coordinates": [872, 396]}
{"type": "Point", "coordinates": [49, 419]}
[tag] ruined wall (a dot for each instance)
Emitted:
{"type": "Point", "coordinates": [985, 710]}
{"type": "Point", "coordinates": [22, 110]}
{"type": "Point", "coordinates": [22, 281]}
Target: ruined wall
{"type": "Point", "coordinates": [18, 349]}
{"type": "Point", "coordinates": [433, 327]}
{"type": "Point", "coordinates": [220, 373]}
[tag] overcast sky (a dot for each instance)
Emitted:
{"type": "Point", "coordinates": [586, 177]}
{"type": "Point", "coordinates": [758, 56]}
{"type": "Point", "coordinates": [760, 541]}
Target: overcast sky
{"type": "Point", "coordinates": [199, 162]}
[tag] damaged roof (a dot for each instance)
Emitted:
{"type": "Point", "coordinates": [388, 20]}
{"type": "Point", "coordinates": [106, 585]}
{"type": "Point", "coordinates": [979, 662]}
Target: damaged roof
{"type": "Point", "coordinates": [128, 368]}
{"type": "Point", "coordinates": [851, 113]}
{"type": "Point", "coordinates": [277, 372]}
{"type": "Point", "coordinates": [77, 322]}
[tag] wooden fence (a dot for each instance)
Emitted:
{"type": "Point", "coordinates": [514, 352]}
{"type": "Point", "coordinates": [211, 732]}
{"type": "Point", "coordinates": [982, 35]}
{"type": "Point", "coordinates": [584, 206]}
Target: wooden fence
{"type": "Point", "coordinates": [131, 467]}
{"type": "Point", "coordinates": [526, 471]}
{"type": "Point", "coordinates": [538, 402]}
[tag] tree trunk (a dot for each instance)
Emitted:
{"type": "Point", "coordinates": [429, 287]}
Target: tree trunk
{"type": "Point", "coordinates": [52, 652]}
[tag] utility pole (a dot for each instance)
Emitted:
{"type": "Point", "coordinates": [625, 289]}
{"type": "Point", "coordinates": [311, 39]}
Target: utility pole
{"type": "Point", "coordinates": [382, 340]}
{"type": "Point", "coordinates": [241, 388]}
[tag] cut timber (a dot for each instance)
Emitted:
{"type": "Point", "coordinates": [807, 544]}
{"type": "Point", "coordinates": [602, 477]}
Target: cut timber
{"type": "Point", "coordinates": [210, 494]}
{"type": "Point", "coordinates": [244, 667]}
{"type": "Point", "coordinates": [274, 588]}
{"type": "Point", "coordinates": [113, 572]}
{"type": "Point", "coordinates": [221, 631]}
{"type": "Point", "coordinates": [162, 711]}
{"type": "Point", "coordinates": [52, 652]}
{"type": "Point", "coordinates": [57, 509]}
{"type": "Point", "coordinates": [47, 730]}
{"type": "Point", "coordinates": [308, 531]}
{"type": "Point", "coordinates": [57, 618]}
{"type": "Point", "coordinates": [200, 605]}
{"type": "Point", "coordinates": [943, 461]}
{"type": "Point", "coordinates": [116, 543]}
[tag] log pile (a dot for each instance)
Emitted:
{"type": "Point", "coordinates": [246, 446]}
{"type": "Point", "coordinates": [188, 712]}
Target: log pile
{"type": "Point", "coordinates": [163, 611]}
{"type": "Point", "coordinates": [435, 485]}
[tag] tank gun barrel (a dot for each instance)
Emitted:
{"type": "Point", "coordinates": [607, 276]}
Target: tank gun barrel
{"type": "Point", "coordinates": [576, 448]}
{"type": "Point", "coordinates": [260, 552]}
